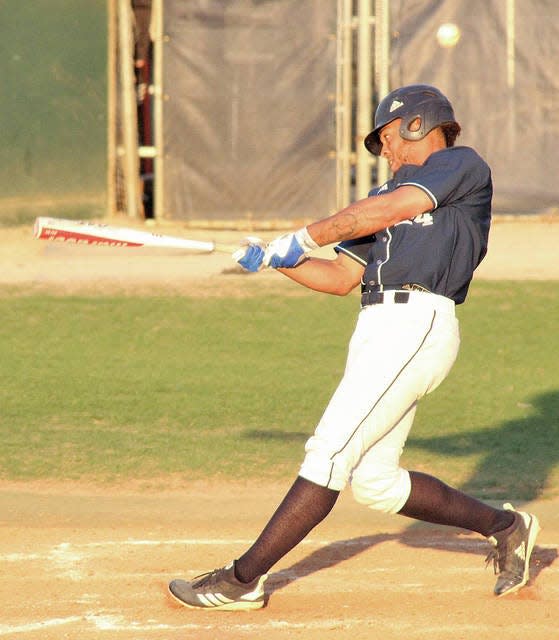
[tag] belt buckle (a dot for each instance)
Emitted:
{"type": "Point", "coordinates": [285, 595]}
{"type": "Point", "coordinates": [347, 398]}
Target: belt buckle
{"type": "Point", "coordinates": [415, 287]}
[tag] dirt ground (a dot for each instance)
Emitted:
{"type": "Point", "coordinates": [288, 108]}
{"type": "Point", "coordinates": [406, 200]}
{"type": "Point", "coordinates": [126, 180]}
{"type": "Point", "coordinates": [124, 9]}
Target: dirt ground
{"type": "Point", "coordinates": [84, 562]}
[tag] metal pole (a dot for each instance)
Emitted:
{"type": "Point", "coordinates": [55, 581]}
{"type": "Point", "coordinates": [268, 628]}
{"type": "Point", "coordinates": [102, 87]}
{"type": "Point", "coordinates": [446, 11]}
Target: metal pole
{"type": "Point", "coordinates": [159, 161]}
{"type": "Point", "coordinates": [511, 79]}
{"type": "Point", "coordinates": [382, 68]}
{"type": "Point", "coordinates": [111, 107]}
{"type": "Point", "coordinates": [511, 73]}
{"type": "Point", "coordinates": [364, 99]}
{"type": "Point", "coordinates": [343, 103]}
{"type": "Point", "coordinates": [129, 116]}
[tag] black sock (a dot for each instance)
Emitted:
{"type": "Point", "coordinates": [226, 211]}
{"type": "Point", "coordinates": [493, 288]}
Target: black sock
{"type": "Point", "coordinates": [304, 506]}
{"type": "Point", "coordinates": [433, 501]}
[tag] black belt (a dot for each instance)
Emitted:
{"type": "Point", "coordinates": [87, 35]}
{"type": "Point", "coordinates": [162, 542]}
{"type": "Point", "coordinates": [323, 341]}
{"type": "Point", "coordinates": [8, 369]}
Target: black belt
{"type": "Point", "coordinates": [375, 296]}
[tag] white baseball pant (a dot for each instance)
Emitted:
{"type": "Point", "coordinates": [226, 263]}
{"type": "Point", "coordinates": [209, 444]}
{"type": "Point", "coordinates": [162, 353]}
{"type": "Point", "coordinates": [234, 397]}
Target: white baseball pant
{"type": "Point", "coordinates": [397, 354]}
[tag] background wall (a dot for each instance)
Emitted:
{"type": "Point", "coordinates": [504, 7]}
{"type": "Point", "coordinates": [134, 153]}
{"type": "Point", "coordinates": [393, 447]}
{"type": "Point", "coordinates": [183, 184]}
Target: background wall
{"type": "Point", "coordinates": [53, 106]}
{"type": "Point", "coordinates": [249, 109]}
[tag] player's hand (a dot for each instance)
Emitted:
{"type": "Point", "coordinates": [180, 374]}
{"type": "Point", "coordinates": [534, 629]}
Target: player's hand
{"type": "Point", "coordinates": [250, 254]}
{"type": "Point", "coordinates": [289, 250]}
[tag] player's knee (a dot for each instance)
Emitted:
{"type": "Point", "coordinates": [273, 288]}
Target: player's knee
{"type": "Point", "coordinates": [319, 468]}
{"type": "Point", "coordinates": [387, 491]}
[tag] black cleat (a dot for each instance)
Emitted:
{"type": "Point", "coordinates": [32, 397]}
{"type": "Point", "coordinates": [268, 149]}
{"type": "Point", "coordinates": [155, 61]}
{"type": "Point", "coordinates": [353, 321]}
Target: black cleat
{"type": "Point", "coordinates": [219, 589]}
{"type": "Point", "coordinates": [511, 555]}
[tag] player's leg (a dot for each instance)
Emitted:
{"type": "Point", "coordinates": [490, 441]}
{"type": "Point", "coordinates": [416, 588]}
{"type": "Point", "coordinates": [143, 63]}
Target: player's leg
{"type": "Point", "coordinates": [361, 412]}
{"type": "Point", "coordinates": [370, 369]}
{"type": "Point", "coordinates": [240, 584]}
{"type": "Point", "coordinates": [431, 500]}
{"type": "Point", "coordinates": [347, 429]}
{"type": "Point", "coordinates": [305, 505]}
{"type": "Point", "coordinates": [512, 533]}
{"type": "Point", "coordinates": [379, 482]}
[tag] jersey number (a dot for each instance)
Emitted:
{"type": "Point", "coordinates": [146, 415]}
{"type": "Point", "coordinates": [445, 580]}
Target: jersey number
{"type": "Point", "coordinates": [424, 219]}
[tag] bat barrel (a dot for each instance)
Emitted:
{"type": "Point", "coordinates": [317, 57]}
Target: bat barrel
{"type": "Point", "coordinates": [85, 232]}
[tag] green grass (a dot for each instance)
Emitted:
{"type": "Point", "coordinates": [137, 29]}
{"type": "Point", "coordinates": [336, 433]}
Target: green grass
{"type": "Point", "coordinates": [109, 389]}
{"type": "Point", "coordinates": [139, 386]}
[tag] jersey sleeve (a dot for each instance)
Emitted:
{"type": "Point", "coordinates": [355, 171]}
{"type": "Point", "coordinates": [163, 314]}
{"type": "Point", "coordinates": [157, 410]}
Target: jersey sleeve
{"type": "Point", "coordinates": [450, 175]}
{"type": "Point", "coordinates": [357, 249]}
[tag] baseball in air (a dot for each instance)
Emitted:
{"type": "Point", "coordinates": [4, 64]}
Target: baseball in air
{"type": "Point", "coordinates": [448, 35]}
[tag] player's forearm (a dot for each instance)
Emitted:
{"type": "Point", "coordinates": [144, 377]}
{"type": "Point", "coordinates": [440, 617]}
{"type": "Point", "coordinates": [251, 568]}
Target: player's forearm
{"type": "Point", "coordinates": [323, 275]}
{"type": "Point", "coordinates": [357, 220]}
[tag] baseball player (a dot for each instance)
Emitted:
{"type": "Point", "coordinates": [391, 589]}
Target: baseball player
{"type": "Point", "coordinates": [412, 246]}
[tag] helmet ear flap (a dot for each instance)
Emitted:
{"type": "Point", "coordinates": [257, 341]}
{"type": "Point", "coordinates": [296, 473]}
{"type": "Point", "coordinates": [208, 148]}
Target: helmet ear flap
{"type": "Point", "coordinates": [412, 127]}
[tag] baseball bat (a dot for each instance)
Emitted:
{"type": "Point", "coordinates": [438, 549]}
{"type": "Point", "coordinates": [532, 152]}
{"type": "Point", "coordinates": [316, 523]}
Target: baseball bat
{"type": "Point", "coordinates": [92, 233]}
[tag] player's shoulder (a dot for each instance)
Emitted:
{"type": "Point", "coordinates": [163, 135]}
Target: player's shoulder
{"type": "Point", "coordinates": [462, 159]}
{"type": "Point", "coordinates": [462, 154]}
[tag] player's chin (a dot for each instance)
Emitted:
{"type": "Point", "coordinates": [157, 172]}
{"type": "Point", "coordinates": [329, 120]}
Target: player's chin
{"type": "Point", "coordinates": [391, 162]}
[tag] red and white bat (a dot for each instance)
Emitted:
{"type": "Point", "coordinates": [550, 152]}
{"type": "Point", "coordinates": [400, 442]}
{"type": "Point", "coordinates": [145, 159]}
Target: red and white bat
{"type": "Point", "coordinates": [92, 233]}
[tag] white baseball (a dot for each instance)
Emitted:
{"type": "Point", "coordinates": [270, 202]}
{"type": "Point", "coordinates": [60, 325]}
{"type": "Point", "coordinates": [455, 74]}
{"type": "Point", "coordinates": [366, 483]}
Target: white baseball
{"type": "Point", "coordinates": [448, 35]}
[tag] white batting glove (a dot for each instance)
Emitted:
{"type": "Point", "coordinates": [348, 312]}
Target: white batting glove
{"type": "Point", "coordinates": [250, 254]}
{"type": "Point", "coordinates": [289, 250]}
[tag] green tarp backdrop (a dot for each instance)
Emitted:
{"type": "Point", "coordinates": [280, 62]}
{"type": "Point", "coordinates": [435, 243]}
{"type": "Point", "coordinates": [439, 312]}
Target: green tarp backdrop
{"type": "Point", "coordinates": [53, 65]}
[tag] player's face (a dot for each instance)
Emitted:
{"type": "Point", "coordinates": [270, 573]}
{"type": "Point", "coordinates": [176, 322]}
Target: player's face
{"type": "Point", "coordinates": [394, 148]}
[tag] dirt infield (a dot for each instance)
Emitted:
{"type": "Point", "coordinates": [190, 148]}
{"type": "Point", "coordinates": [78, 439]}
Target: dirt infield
{"type": "Point", "coordinates": [81, 562]}
{"type": "Point", "coordinates": [86, 564]}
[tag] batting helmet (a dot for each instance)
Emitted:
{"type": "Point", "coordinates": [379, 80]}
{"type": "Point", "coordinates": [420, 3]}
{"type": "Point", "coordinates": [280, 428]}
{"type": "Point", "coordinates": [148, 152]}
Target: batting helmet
{"type": "Point", "coordinates": [415, 102]}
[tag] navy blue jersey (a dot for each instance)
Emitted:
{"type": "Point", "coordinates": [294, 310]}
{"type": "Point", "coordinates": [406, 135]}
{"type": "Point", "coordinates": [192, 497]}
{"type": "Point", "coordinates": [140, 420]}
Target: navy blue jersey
{"type": "Point", "coordinates": [438, 250]}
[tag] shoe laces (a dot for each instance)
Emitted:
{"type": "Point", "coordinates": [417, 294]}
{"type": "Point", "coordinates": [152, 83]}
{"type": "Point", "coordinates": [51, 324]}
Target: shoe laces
{"type": "Point", "coordinates": [204, 579]}
{"type": "Point", "coordinates": [494, 557]}
{"type": "Point", "coordinates": [498, 555]}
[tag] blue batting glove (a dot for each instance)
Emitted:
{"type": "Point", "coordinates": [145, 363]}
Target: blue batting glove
{"type": "Point", "coordinates": [289, 250]}
{"type": "Point", "coordinates": [285, 252]}
{"type": "Point", "coordinates": [250, 254]}
{"type": "Point", "coordinates": [252, 260]}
